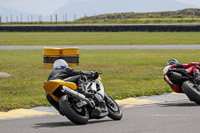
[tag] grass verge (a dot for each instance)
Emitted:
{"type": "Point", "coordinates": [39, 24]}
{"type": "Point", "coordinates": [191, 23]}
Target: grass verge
{"type": "Point", "coordinates": [98, 38]}
{"type": "Point", "coordinates": [127, 73]}
{"type": "Point", "coordinates": [167, 20]}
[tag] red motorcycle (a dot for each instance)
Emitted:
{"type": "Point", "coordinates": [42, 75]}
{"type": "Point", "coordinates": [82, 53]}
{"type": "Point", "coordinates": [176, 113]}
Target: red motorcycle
{"type": "Point", "coordinates": [182, 82]}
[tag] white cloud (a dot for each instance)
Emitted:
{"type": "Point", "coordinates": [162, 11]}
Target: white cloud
{"type": "Point", "coordinates": [191, 2]}
{"type": "Point", "coordinates": [44, 7]}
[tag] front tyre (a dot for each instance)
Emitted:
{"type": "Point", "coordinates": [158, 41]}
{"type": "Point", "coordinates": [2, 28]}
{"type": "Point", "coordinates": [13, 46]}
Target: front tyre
{"type": "Point", "coordinates": [191, 91]}
{"type": "Point", "coordinates": [78, 116]}
{"type": "Point", "coordinates": [114, 111]}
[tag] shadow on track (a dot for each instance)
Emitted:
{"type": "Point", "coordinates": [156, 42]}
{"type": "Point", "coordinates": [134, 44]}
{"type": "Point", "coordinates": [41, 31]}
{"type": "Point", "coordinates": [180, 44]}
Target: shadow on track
{"type": "Point", "coordinates": [183, 104]}
{"type": "Point", "coordinates": [63, 124]}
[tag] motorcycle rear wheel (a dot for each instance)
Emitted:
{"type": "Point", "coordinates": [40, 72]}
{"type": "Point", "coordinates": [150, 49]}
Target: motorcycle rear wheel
{"type": "Point", "coordinates": [192, 92]}
{"type": "Point", "coordinates": [114, 112]}
{"type": "Point", "coordinates": [71, 113]}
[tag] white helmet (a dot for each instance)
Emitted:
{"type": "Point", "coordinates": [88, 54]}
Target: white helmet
{"type": "Point", "coordinates": [60, 63]}
{"type": "Point", "coordinates": [172, 62]}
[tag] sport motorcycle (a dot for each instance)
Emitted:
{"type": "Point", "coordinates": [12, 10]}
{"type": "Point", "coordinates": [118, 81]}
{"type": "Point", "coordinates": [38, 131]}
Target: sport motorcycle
{"type": "Point", "coordinates": [182, 82]}
{"type": "Point", "coordinates": [78, 106]}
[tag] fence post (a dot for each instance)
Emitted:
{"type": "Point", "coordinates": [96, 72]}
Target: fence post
{"type": "Point", "coordinates": [51, 18]}
{"type": "Point", "coordinates": [66, 17]}
{"type": "Point", "coordinates": [115, 18]}
{"type": "Point", "coordinates": [74, 17]}
{"type": "Point", "coordinates": [56, 18]}
{"type": "Point", "coordinates": [11, 18]}
{"type": "Point", "coordinates": [31, 18]}
{"type": "Point", "coordinates": [170, 17]}
{"type": "Point", "coordinates": [147, 17]}
{"type": "Point", "coordinates": [0, 19]}
{"type": "Point", "coordinates": [40, 18]}
{"type": "Point", "coordinates": [21, 17]}
{"type": "Point", "coordinates": [193, 14]}
{"type": "Point", "coordinates": [122, 16]}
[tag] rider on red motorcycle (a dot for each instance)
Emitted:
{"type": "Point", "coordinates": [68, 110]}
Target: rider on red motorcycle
{"type": "Point", "coordinates": [191, 68]}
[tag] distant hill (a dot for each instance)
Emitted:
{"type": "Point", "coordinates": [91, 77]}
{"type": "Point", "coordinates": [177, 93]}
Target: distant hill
{"type": "Point", "coordinates": [80, 8]}
{"type": "Point", "coordinates": [190, 12]}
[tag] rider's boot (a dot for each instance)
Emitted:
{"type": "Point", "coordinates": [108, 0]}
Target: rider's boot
{"type": "Point", "coordinates": [81, 87]}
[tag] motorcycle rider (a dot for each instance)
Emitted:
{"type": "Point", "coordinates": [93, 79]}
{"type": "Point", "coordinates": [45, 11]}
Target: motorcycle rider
{"type": "Point", "coordinates": [65, 73]}
{"type": "Point", "coordinates": [192, 68]}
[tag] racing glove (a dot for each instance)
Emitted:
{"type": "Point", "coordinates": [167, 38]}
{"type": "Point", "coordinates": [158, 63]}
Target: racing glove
{"type": "Point", "coordinates": [95, 74]}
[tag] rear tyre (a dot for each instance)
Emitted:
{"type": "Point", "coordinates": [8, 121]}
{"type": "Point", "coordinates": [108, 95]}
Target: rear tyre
{"type": "Point", "coordinates": [114, 111]}
{"type": "Point", "coordinates": [78, 116]}
{"type": "Point", "coordinates": [191, 91]}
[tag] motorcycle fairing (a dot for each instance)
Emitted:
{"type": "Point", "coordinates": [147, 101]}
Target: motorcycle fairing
{"type": "Point", "coordinates": [181, 70]}
{"type": "Point", "coordinates": [190, 69]}
{"type": "Point", "coordinates": [52, 85]}
{"type": "Point", "coordinates": [173, 84]}
{"type": "Point", "coordinates": [98, 87]}
{"type": "Point", "coordinates": [99, 78]}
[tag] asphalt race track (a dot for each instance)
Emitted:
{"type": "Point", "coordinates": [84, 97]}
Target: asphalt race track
{"type": "Point", "coordinates": [172, 116]}
{"type": "Point", "coordinates": [175, 117]}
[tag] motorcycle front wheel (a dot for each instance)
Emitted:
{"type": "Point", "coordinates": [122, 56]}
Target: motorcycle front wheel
{"type": "Point", "coordinates": [78, 116]}
{"type": "Point", "coordinates": [114, 111]}
{"type": "Point", "coordinates": [191, 91]}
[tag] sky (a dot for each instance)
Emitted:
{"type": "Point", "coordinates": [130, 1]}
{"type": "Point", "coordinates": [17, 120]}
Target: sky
{"type": "Point", "coordinates": [44, 7]}
{"type": "Point", "coordinates": [90, 7]}
{"type": "Point", "coordinates": [192, 2]}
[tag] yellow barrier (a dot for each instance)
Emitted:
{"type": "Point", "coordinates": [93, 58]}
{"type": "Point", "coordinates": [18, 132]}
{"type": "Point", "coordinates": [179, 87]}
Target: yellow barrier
{"type": "Point", "coordinates": [70, 55]}
{"type": "Point", "coordinates": [70, 51]}
{"type": "Point", "coordinates": [52, 52]}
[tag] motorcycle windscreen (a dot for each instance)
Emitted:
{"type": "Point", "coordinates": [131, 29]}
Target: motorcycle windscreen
{"type": "Point", "coordinates": [52, 85]}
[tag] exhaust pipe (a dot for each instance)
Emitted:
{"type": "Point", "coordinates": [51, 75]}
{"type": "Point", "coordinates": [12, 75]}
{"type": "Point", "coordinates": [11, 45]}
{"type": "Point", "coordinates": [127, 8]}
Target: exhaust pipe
{"type": "Point", "coordinates": [77, 95]}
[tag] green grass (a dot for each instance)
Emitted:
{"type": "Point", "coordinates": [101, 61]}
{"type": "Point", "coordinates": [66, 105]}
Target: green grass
{"type": "Point", "coordinates": [126, 73]}
{"type": "Point", "coordinates": [98, 38]}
